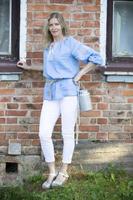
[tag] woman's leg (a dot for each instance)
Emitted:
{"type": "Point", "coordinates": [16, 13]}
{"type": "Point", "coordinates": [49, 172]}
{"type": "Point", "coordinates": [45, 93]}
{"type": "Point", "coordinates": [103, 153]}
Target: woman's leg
{"type": "Point", "coordinates": [49, 115]}
{"type": "Point", "coordinates": [68, 118]}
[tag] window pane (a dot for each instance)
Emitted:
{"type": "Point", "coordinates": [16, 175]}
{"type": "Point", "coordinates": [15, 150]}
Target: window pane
{"type": "Point", "coordinates": [122, 29]}
{"type": "Point", "coordinates": [5, 27]}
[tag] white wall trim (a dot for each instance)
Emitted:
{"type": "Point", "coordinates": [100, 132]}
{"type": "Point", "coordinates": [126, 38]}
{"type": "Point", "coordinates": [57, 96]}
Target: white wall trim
{"type": "Point", "coordinates": [23, 29]}
{"type": "Point", "coordinates": [103, 24]}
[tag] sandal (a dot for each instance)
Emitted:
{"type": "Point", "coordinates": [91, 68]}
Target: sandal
{"type": "Point", "coordinates": [61, 182]}
{"type": "Point", "coordinates": [47, 184]}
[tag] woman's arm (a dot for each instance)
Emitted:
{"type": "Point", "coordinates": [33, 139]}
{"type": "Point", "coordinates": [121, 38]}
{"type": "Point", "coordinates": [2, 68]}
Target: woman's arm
{"type": "Point", "coordinates": [33, 67]}
{"type": "Point", "coordinates": [87, 68]}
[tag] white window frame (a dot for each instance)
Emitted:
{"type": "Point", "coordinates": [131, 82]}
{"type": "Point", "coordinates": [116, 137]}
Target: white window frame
{"type": "Point", "coordinates": [103, 21]}
{"type": "Point", "coordinates": [23, 29]}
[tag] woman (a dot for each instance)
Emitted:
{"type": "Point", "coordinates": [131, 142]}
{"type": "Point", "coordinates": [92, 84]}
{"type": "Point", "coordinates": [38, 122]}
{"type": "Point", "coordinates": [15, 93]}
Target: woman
{"type": "Point", "coordinates": [61, 69]}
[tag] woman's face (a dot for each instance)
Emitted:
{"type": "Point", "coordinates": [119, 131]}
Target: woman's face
{"type": "Point", "coordinates": [55, 29]}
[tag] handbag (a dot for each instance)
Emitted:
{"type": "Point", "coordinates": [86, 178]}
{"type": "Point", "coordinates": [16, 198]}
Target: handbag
{"type": "Point", "coordinates": [84, 104]}
{"type": "Point", "coordinates": [84, 100]}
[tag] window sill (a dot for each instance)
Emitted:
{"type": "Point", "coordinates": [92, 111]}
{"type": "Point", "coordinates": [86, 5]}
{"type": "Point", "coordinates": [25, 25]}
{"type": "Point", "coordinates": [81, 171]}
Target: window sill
{"type": "Point", "coordinates": [9, 72]}
{"type": "Point", "coordinates": [119, 67]}
{"type": "Point", "coordinates": [7, 67]}
{"type": "Point", "coordinates": [118, 72]}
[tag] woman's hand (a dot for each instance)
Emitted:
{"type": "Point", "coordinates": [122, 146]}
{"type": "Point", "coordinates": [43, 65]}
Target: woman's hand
{"type": "Point", "coordinates": [76, 79]}
{"type": "Point", "coordinates": [34, 67]}
{"type": "Point", "coordinates": [83, 71]}
{"type": "Point", "coordinates": [22, 64]}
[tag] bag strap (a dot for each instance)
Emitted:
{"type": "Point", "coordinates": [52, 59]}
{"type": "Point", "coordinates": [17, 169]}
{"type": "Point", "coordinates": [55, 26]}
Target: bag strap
{"type": "Point", "coordinates": [78, 116]}
{"type": "Point", "coordinates": [77, 124]}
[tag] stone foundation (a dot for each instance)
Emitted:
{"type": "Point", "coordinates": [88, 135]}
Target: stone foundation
{"type": "Point", "coordinates": [91, 156]}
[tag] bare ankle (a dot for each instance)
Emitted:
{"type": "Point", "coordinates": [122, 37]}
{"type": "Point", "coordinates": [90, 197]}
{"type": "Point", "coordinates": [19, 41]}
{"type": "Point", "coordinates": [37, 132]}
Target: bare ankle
{"type": "Point", "coordinates": [64, 168]}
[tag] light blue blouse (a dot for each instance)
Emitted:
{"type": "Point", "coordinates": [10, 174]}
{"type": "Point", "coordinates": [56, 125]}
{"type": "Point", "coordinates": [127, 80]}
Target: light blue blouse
{"type": "Point", "coordinates": [61, 64]}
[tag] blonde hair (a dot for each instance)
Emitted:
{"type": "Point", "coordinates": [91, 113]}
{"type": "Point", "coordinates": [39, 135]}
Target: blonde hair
{"type": "Point", "coordinates": [48, 38]}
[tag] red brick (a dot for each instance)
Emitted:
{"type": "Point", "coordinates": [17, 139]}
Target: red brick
{"type": "Point", "coordinates": [61, 1]}
{"type": "Point", "coordinates": [89, 128]}
{"type": "Point", "coordinates": [12, 106]}
{"type": "Point", "coordinates": [128, 128]}
{"type": "Point", "coordinates": [119, 136]}
{"type": "Point", "coordinates": [38, 1]}
{"type": "Point", "coordinates": [35, 113]}
{"type": "Point", "coordinates": [37, 31]}
{"type": "Point", "coordinates": [31, 106]}
{"type": "Point", "coordinates": [37, 99]}
{"type": "Point", "coordinates": [130, 100]}
{"type": "Point", "coordinates": [37, 23]}
{"type": "Point", "coordinates": [7, 91]}
{"type": "Point", "coordinates": [130, 85]}
{"type": "Point", "coordinates": [35, 142]}
{"type": "Point", "coordinates": [3, 142]}
{"type": "Point", "coordinates": [83, 136]}
{"type": "Point", "coordinates": [34, 128]}
{"type": "Point", "coordinates": [89, 39]}
{"type": "Point", "coordinates": [11, 120]}
{"type": "Point", "coordinates": [29, 16]}
{"type": "Point", "coordinates": [34, 54]}
{"type": "Point", "coordinates": [25, 142]}
{"type": "Point", "coordinates": [37, 84]}
{"type": "Point", "coordinates": [16, 128]}
{"type": "Point", "coordinates": [102, 136]}
{"type": "Point", "coordinates": [86, 1]}
{"type": "Point", "coordinates": [1, 113]}
{"type": "Point", "coordinates": [75, 24]}
{"type": "Point", "coordinates": [15, 113]}
{"type": "Point", "coordinates": [91, 85]}
{"type": "Point", "coordinates": [5, 99]}
{"type": "Point", "coordinates": [96, 98]}
{"type": "Point", "coordinates": [91, 24]}
{"type": "Point", "coordinates": [23, 136]}
{"type": "Point", "coordinates": [57, 136]}
{"type": "Point", "coordinates": [33, 136]}
{"type": "Point", "coordinates": [2, 136]}
{"type": "Point", "coordinates": [83, 16]}
{"type": "Point", "coordinates": [2, 128]}
{"type": "Point", "coordinates": [92, 8]}
{"type": "Point", "coordinates": [2, 120]}
{"type": "Point", "coordinates": [91, 114]}
{"type": "Point", "coordinates": [84, 32]}
{"type": "Point", "coordinates": [73, 32]}
{"type": "Point", "coordinates": [102, 120]}
{"type": "Point", "coordinates": [128, 92]}
{"type": "Point", "coordinates": [40, 15]}
{"type": "Point", "coordinates": [98, 2]}
{"type": "Point", "coordinates": [54, 7]}
{"type": "Point", "coordinates": [11, 136]}
{"type": "Point", "coordinates": [97, 32]}
{"type": "Point", "coordinates": [102, 106]}
{"type": "Point", "coordinates": [20, 99]}
{"type": "Point", "coordinates": [35, 7]}
{"type": "Point", "coordinates": [57, 128]}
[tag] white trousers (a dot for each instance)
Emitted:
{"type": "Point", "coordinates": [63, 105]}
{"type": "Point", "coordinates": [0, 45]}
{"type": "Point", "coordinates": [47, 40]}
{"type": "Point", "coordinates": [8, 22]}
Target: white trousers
{"type": "Point", "coordinates": [51, 110]}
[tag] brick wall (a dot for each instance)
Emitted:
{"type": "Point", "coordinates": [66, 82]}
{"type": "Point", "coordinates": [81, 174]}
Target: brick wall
{"type": "Point", "coordinates": [111, 119]}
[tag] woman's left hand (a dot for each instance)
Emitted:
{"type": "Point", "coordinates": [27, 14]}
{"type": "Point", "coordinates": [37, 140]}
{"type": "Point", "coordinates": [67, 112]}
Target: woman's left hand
{"type": "Point", "coordinates": [76, 79]}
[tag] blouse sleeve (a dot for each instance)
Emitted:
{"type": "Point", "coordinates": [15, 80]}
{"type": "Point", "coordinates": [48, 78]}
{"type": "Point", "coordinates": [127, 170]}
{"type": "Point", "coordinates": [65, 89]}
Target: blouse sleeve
{"type": "Point", "coordinates": [84, 53]}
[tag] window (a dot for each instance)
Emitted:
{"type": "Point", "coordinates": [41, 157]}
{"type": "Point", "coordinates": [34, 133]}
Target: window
{"type": "Point", "coordinates": [119, 35]}
{"type": "Point", "coordinates": [9, 34]}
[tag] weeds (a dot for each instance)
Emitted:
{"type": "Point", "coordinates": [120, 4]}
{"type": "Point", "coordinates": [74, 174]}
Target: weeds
{"type": "Point", "coordinates": [107, 184]}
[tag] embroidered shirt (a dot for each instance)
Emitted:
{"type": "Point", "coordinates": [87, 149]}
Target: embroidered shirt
{"type": "Point", "coordinates": [61, 64]}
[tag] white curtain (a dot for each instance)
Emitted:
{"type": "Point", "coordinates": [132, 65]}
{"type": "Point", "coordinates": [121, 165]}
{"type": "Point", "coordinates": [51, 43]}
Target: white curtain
{"type": "Point", "coordinates": [123, 29]}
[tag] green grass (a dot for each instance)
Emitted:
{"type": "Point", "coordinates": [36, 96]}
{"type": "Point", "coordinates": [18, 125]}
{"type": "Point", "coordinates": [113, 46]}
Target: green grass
{"type": "Point", "coordinates": [107, 184]}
